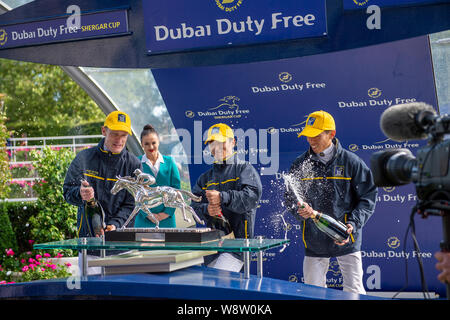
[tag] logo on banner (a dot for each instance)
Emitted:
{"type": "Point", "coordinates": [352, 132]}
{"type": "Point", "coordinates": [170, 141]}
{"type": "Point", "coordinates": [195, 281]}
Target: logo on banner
{"type": "Point", "coordinates": [293, 278]}
{"type": "Point", "coordinates": [229, 5]}
{"type": "Point", "coordinates": [353, 147]}
{"type": "Point", "coordinates": [271, 130]}
{"type": "Point", "coordinates": [228, 108]}
{"type": "Point", "coordinates": [287, 227]}
{"type": "Point", "coordinates": [295, 128]}
{"type": "Point", "coordinates": [287, 85]}
{"type": "Point", "coordinates": [393, 242]}
{"type": "Point", "coordinates": [3, 37]}
{"type": "Point", "coordinates": [360, 2]}
{"type": "Point", "coordinates": [285, 77]}
{"type": "Point", "coordinates": [228, 102]}
{"type": "Point", "coordinates": [381, 145]}
{"type": "Point", "coordinates": [334, 268]}
{"type": "Point", "coordinates": [388, 189]}
{"type": "Point", "coordinates": [374, 92]}
{"type": "Point", "coordinates": [189, 114]}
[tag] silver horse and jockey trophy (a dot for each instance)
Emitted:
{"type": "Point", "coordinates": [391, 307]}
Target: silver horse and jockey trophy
{"type": "Point", "coordinates": [147, 197]}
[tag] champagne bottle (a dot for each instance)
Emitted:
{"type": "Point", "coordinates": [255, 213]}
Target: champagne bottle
{"type": "Point", "coordinates": [219, 222]}
{"type": "Point", "coordinates": [333, 228]}
{"type": "Point", "coordinates": [95, 214]}
{"type": "Point", "coordinates": [330, 226]}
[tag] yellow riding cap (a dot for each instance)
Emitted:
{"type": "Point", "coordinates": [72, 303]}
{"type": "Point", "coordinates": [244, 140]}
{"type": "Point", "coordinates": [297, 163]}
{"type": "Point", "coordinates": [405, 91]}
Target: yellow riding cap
{"type": "Point", "coordinates": [219, 132]}
{"type": "Point", "coordinates": [118, 120]}
{"type": "Point", "coordinates": [318, 122]}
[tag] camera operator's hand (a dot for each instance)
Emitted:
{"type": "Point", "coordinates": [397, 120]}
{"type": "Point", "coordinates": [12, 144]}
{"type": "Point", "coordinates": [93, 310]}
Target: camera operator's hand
{"type": "Point", "coordinates": [305, 211]}
{"type": "Point", "coordinates": [443, 265]}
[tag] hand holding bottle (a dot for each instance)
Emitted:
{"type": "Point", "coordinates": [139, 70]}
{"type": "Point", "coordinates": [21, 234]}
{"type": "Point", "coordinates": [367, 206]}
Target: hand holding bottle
{"type": "Point", "coordinates": [214, 210]}
{"type": "Point", "coordinates": [214, 200]}
{"type": "Point", "coordinates": [101, 231]}
{"type": "Point", "coordinates": [305, 211]}
{"type": "Point", "coordinates": [86, 191]}
{"type": "Point", "coordinates": [213, 197]}
{"type": "Point", "coordinates": [349, 231]}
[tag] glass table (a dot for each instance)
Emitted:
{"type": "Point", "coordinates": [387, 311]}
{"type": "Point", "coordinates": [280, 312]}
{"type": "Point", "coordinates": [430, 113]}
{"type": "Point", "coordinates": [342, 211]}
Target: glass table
{"type": "Point", "coordinates": [245, 246]}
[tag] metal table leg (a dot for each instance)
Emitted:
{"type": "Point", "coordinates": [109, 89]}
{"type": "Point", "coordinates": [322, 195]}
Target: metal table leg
{"type": "Point", "coordinates": [103, 254]}
{"type": "Point", "coordinates": [260, 264]}
{"type": "Point", "coordinates": [247, 265]}
{"type": "Point", "coordinates": [84, 266]}
{"type": "Point", "coordinates": [259, 260]}
{"type": "Point", "coordinates": [247, 261]}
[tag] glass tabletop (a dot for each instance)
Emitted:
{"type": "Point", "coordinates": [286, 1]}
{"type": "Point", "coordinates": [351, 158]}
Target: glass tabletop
{"type": "Point", "coordinates": [223, 245]}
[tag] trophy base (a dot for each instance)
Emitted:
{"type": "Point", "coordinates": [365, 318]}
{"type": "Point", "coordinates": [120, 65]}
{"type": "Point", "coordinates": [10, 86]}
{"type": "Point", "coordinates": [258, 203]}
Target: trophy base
{"type": "Point", "coordinates": [197, 235]}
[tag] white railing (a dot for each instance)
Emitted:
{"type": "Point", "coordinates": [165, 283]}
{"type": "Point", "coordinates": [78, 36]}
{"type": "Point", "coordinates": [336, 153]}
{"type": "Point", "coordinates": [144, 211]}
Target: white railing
{"type": "Point", "coordinates": [27, 144]}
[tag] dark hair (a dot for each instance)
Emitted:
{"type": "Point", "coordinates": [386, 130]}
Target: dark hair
{"type": "Point", "coordinates": [148, 129]}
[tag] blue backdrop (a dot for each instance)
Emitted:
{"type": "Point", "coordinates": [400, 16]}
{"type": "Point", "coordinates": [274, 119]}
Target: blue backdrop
{"type": "Point", "coordinates": [182, 25]}
{"type": "Point", "coordinates": [269, 101]}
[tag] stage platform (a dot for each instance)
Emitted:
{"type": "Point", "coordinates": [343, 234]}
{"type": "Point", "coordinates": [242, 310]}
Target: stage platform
{"type": "Point", "coordinates": [194, 283]}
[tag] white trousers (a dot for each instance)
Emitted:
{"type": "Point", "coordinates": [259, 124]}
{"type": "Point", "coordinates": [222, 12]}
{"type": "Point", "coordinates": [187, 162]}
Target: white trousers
{"type": "Point", "coordinates": [315, 271]}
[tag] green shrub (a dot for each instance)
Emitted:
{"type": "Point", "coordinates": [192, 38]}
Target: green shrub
{"type": "Point", "coordinates": [7, 236]}
{"type": "Point", "coordinates": [56, 219]}
{"type": "Point", "coordinates": [19, 214]}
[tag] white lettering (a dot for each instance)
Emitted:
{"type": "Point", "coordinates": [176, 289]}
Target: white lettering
{"type": "Point", "coordinates": [309, 19]}
{"type": "Point", "coordinates": [194, 310]}
{"type": "Point", "coordinates": [275, 20]}
{"type": "Point", "coordinates": [296, 21]}
{"type": "Point", "coordinates": [401, 101]}
{"type": "Point", "coordinates": [74, 20]}
{"type": "Point", "coordinates": [373, 21]}
{"type": "Point", "coordinates": [259, 26]}
{"type": "Point", "coordinates": [351, 104]}
{"type": "Point", "coordinates": [158, 30]}
{"type": "Point", "coordinates": [374, 280]}
{"type": "Point", "coordinates": [221, 29]}
{"type": "Point", "coordinates": [22, 35]}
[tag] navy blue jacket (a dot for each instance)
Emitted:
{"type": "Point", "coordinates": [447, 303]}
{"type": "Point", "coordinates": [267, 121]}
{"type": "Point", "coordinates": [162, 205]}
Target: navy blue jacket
{"type": "Point", "coordinates": [100, 168]}
{"type": "Point", "coordinates": [240, 191]}
{"type": "Point", "coordinates": [343, 188]}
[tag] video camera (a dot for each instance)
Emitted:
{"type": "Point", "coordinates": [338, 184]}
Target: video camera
{"type": "Point", "coordinates": [430, 169]}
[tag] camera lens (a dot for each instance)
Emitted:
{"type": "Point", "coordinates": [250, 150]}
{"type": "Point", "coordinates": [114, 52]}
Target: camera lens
{"type": "Point", "coordinates": [392, 167]}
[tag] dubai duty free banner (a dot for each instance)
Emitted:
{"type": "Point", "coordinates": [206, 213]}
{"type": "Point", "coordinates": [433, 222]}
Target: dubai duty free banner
{"type": "Point", "coordinates": [267, 104]}
{"type": "Point", "coordinates": [178, 25]}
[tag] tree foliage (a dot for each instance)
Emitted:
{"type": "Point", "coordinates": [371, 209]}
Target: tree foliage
{"type": "Point", "coordinates": [5, 173]}
{"type": "Point", "coordinates": [43, 100]}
